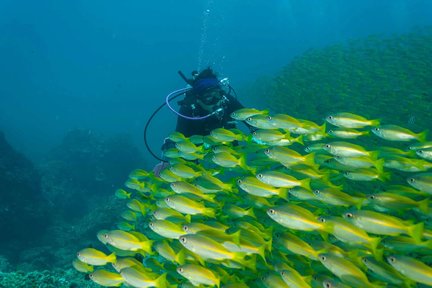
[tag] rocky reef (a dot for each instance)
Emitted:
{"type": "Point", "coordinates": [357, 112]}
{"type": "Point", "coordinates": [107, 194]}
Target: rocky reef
{"type": "Point", "coordinates": [24, 213]}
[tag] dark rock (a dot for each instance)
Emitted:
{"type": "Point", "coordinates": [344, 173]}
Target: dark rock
{"type": "Point", "coordinates": [23, 210]}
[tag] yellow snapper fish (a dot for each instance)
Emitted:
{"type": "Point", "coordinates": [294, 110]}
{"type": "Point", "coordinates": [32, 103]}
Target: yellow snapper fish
{"type": "Point", "coordinates": [347, 133]}
{"type": "Point", "coordinates": [228, 160]}
{"type": "Point", "coordinates": [346, 149]}
{"type": "Point", "coordinates": [336, 197]}
{"type": "Point", "coordinates": [122, 194]}
{"type": "Point", "coordinates": [244, 113]}
{"type": "Point", "coordinates": [255, 187]}
{"type": "Point", "coordinates": [208, 248]}
{"type": "Point", "coordinates": [81, 266]}
{"type": "Point", "coordinates": [227, 135]}
{"type": "Point", "coordinates": [186, 146]}
{"type": "Point", "coordinates": [406, 164]}
{"type": "Point", "coordinates": [411, 268]}
{"type": "Point", "coordinates": [166, 251]}
{"type": "Point", "coordinates": [294, 279]}
{"type": "Point", "coordinates": [166, 229]}
{"type": "Point", "coordinates": [95, 257]}
{"type": "Point", "coordinates": [345, 270]}
{"type": "Point", "coordinates": [106, 278]}
{"type": "Point", "coordinates": [349, 120]}
{"type": "Point", "coordinates": [199, 275]}
{"type": "Point", "coordinates": [123, 263]}
{"type": "Point", "coordinates": [128, 241]}
{"type": "Point", "coordinates": [188, 206]}
{"type": "Point", "coordinates": [169, 213]}
{"type": "Point", "coordinates": [383, 271]}
{"type": "Point", "coordinates": [289, 157]}
{"type": "Point", "coordinates": [185, 187]}
{"type": "Point", "coordinates": [280, 179]}
{"type": "Point", "coordinates": [389, 201]}
{"type": "Point", "coordinates": [397, 133]}
{"type": "Point", "coordinates": [285, 122]}
{"type": "Point", "coordinates": [422, 182]}
{"type": "Point", "coordinates": [295, 217]}
{"type": "Point", "coordinates": [296, 245]}
{"type": "Point", "coordinates": [382, 224]}
{"type": "Point", "coordinates": [366, 174]}
{"type": "Point", "coordinates": [349, 233]}
{"type": "Point", "coordinates": [361, 162]}
{"type": "Point", "coordinates": [273, 280]}
{"type": "Point", "coordinates": [425, 153]}
{"type": "Point", "coordinates": [419, 146]}
{"type": "Point", "coordinates": [140, 277]}
{"type": "Point", "coordinates": [260, 121]}
{"type": "Point", "coordinates": [184, 171]}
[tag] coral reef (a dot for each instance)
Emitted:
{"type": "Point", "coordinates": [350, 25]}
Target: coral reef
{"type": "Point", "coordinates": [380, 77]}
{"type": "Point", "coordinates": [45, 279]}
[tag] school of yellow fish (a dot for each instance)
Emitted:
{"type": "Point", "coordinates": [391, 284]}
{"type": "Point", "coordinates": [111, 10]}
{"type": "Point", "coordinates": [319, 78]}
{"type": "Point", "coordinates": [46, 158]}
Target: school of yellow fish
{"type": "Point", "coordinates": [291, 204]}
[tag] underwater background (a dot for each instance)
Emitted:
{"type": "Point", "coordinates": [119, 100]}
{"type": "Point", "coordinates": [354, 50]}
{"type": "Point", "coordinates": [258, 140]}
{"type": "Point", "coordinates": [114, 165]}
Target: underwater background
{"type": "Point", "coordinates": [79, 80]}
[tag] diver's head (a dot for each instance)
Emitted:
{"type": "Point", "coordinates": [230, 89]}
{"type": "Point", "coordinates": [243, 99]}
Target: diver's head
{"type": "Point", "coordinates": [207, 88]}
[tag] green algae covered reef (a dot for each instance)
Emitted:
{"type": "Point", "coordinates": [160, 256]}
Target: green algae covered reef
{"type": "Point", "coordinates": [386, 77]}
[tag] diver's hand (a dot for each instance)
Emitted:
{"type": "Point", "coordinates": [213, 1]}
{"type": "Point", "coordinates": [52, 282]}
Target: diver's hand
{"type": "Point", "coordinates": [159, 167]}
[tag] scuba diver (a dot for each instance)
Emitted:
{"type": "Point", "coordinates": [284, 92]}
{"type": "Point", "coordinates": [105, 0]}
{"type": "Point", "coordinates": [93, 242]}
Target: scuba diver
{"type": "Point", "coordinates": [207, 105]}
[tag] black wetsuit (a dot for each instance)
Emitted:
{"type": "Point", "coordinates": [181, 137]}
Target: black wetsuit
{"type": "Point", "coordinates": [204, 126]}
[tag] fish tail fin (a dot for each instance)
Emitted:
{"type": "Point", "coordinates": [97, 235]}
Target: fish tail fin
{"type": "Point", "coordinates": [146, 246]}
{"type": "Point", "coordinates": [305, 183]}
{"type": "Point", "coordinates": [180, 257]}
{"type": "Point", "coordinates": [379, 165]}
{"type": "Point", "coordinates": [424, 205]}
{"type": "Point", "coordinates": [188, 218]}
{"type": "Point", "coordinates": [298, 140]}
{"type": "Point", "coordinates": [236, 237]}
{"type": "Point", "coordinates": [375, 122]}
{"type": "Point", "coordinates": [251, 212]}
{"type": "Point", "coordinates": [209, 212]}
{"type": "Point", "coordinates": [373, 245]}
{"type": "Point", "coordinates": [261, 252]}
{"type": "Point", "coordinates": [112, 258]}
{"type": "Point", "coordinates": [284, 193]}
{"type": "Point", "coordinates": [384, 176]}
{"type": "Point", "coordinates": [322, 128]}
{"type": "Point", "coordinates": [309, 160]}
{"type": "Point", "coordinates": [421, 137]}
{"type": "Point", "coordinates": [416, 231]}
{"type": "Point", "coordinates": [161, 281]}
{"type": "Point", "coordinates": [246, 260]}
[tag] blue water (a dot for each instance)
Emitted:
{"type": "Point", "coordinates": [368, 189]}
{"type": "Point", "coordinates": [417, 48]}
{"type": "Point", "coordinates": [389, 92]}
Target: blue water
{"type": "Point", "coordinates": [106, 65]}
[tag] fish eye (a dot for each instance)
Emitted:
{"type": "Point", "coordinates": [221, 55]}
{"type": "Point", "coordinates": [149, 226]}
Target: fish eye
{"type": "Point", "coordinates": [330, 131]}
{"type": "Point", "coordinates": [322, 219]}
{"type": "Point", "coordinates": [376, 129]}
{"type": "Point", "coordinates": [283, 273]}
{"type": "Point", "coordinates": [151, 224]}
{"type": "Point", "coordinates": [371, 197]}
{"type": "Point", "coordinates": [267, 151]}
{"type": "Point", "coordinates": [180, 270]}
{"type": "Point", "coordinates": [317, 192]}
{"type": "Point", "coordinates": [249, 119]}
{"type": "Point", "coordinates": [167, 199]}
{"type": "Point", "coordinates": [349, 215]}
{"type": "Point", "coordinates": [269, 118]}
{"type": "Point", "coordinates": [239, 181]}
{"type": "Point", "coordinates": [327, 284]}
{"type": "Point", "coordinates": [391, 259]}
{"type": "Point", "coordinates": [364, 260]}
{"type": "Point", "coordinates": [327, 146]}
{"type": "Point", "coordinates": [277, 235]}
{"type": "Point", "coordinates": [272, 211]}
{"type": "Point", "coordinates": [323, 258]}
{"type": "Point", "coordinates": [183, 240]}
{"type": "Point", "coordinates": [254, 133]}
{"type": "Point", "coordinates": [185, 228]}
{"type": "Point", "coordinates": [411, 180]}
{"type": "Point", "coordinates": [260, 175]}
